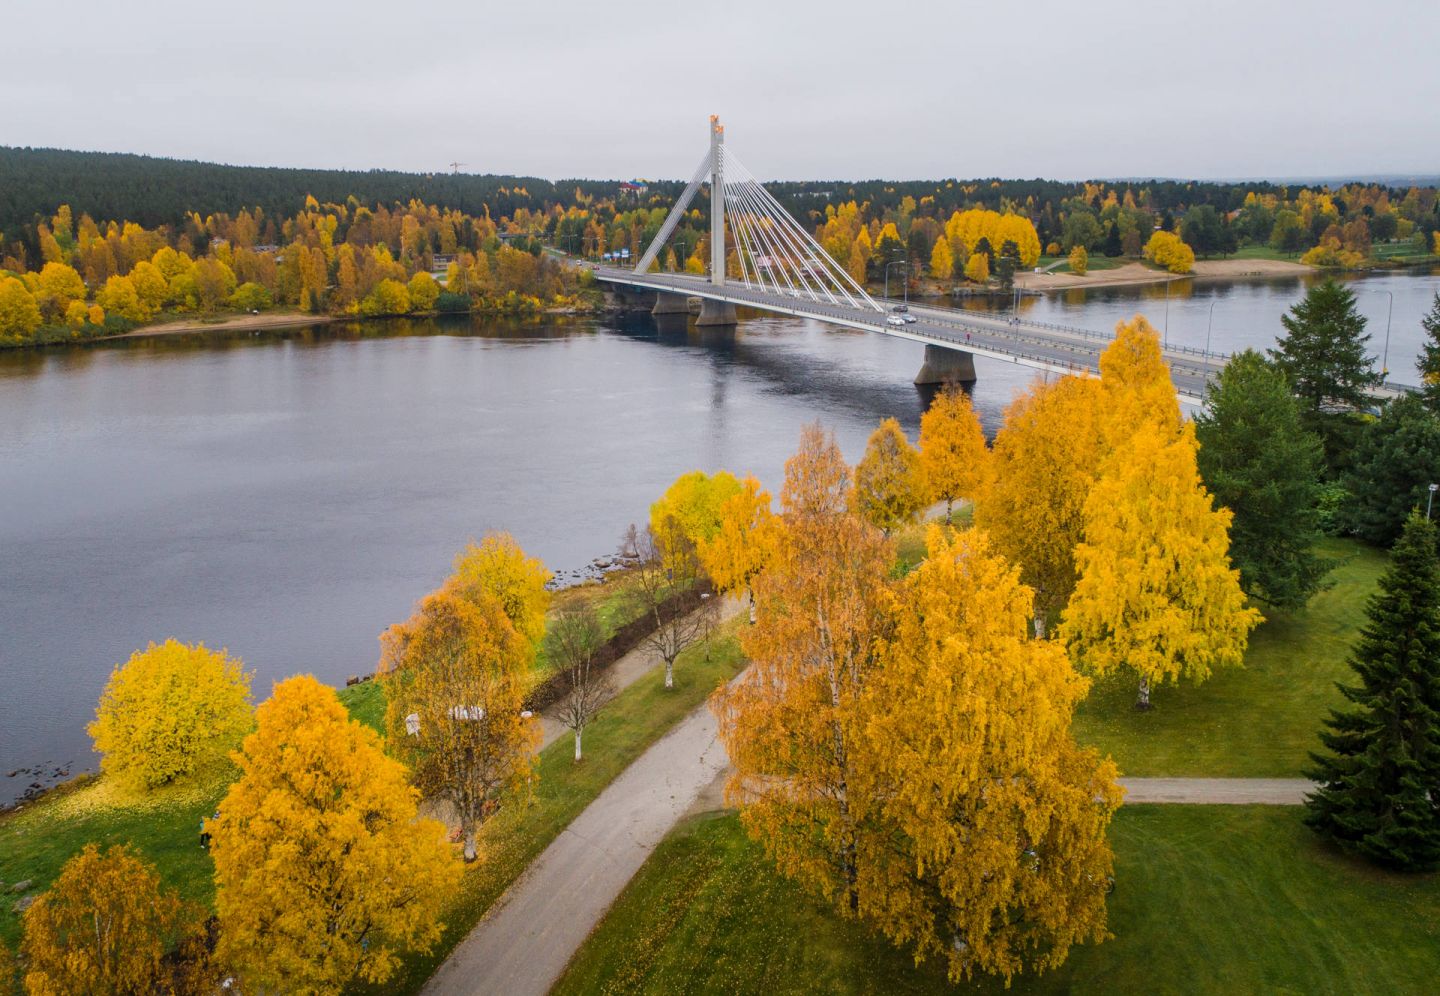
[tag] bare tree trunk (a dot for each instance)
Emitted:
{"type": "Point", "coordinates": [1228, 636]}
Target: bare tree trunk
{"type": "Point", "coordinates": [948, 503]}
{"type": "Point", "coordinates": [467, 828]}
{"type": "Point", "coordinates": [1142, 700]}
{"type": "Point", "coordinates": [578, 730]}
{"type": "Point", "coordinates": [751, 592]}
{"type": "Point", "coordinates": [669, 673]}
{"type": "Point", "coordinates": [1039, 627]}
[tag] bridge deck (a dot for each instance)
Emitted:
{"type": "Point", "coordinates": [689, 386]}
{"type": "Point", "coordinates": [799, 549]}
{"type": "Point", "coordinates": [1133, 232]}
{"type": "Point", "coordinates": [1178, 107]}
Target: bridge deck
{"type": "Point", "coordinates": [1032, 344]}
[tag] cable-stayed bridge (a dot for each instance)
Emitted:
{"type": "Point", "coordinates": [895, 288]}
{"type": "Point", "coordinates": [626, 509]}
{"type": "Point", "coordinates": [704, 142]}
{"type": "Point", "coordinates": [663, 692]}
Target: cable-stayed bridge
{"type": "Point", "coordinates": [782, 269]}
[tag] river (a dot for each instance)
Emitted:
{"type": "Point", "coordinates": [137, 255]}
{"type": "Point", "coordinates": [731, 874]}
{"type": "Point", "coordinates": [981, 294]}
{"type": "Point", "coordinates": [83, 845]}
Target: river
{"type": "Point", "coordinates": [288, 494]}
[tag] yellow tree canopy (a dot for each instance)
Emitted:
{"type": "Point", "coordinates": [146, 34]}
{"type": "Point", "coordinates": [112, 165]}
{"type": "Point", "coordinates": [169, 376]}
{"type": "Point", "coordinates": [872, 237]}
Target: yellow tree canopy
{"type": "Point", "coordinates": [497, 566]}
{"type": "Point", "coordinates": [889, 479]}
{"type": "Point", "coordinates": [994, 809]}
{"type": "Point", "coordinates": [169, 709]}
{"type": "Point", "coordinates": [103, 927]}
{"type": "Point", "coordinates": [695, 502]}
{"type": "Point", "coordinates": [1044, 462]}
{"type": "Point", "coordinates": [942, 261]}
{"type": "Point", "coordinates": [953, 456]}
{"type": "Point", "coordinates": [1156, 592]}
{"type": "Point", "coordinates": [1137, 381]}
{"type": "Point", "coordinates": [323, 873]}
{"type": "Point", "coordinates": [741, 546]}
{"type": "Point", "coordinates": [977, 269]}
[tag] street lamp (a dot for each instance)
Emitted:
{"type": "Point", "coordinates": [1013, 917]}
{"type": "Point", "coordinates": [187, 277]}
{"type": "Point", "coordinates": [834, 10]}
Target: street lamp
{"type": "Point", "coordinates": [1209, 325]}
{"type": "Point", "coordinates": [1431, 499]}
{"type": "Point", "coordinates": [899, 262]}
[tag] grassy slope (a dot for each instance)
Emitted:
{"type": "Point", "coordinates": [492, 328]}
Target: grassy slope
{"type": "Point", "coordinates": [1257, 721]}
{"type": "Point", "coordinates": [1210, 899]}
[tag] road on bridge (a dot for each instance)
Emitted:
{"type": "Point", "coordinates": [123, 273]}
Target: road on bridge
{"type": "Point", "coordinates": [1034, 344]}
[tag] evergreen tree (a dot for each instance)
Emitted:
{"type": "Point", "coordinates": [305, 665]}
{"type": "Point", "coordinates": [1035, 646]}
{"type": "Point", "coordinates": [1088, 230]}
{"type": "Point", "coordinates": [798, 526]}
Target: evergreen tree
{"type": "Point", "coordinates": [1260, 463]}
{"type": "Point", "coordinates": [1397, 460]}
{"type": "Point", "coordinates": [1379, 793]}
{"type": "Point", "coordinates": [1113, 246]}
{"type": "Point", "coordinates": [1323, 354]}
{"type": "Point", "coordinates": [1430, 357]}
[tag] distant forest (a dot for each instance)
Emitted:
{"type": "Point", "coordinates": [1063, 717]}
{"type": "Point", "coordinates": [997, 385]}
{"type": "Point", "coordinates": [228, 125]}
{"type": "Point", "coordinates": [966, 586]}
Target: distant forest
{"type": "Point", "coordinates": [166, 193]}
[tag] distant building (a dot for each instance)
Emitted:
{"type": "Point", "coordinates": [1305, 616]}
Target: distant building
{"type": "Point", "coordinates": [637, 187]}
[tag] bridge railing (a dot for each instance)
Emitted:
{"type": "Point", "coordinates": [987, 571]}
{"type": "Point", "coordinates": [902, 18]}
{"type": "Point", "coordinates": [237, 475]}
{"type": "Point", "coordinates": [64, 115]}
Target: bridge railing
{"type": "Point", "coordinates": [1110, 337]}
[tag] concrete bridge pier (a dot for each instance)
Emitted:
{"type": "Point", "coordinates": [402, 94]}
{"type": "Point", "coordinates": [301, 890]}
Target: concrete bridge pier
{"type": "Point", "coordinates": [670, 304]}
{"type": "Point", "coordinates": [946, 366]}
{"type": "Point", "coordinates": [717, 313]}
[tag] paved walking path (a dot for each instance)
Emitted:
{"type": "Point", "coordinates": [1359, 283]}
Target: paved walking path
{"type": "Point", "coordinates": [1223, 791]}
{"type": "Point", "coordinates": [527, 938]}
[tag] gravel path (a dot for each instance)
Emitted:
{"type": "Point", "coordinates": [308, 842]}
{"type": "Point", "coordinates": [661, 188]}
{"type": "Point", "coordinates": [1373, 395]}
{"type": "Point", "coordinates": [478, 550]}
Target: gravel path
{"type": "Point", "coordinates": [526, 939]}
{"type": "Point", "coordinates": [1221, 791]}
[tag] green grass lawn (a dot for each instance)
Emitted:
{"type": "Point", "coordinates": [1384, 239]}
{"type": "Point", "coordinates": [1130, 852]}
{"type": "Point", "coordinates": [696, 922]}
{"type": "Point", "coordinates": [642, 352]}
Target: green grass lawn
{"type": "Point", "coordinates": [1264, 252]}
{"type": "Point", "coordinates": [1096, 261]}
{"type": "Point", "coordinates": [1255, 721]}
{"type": "Point", "coordinates": [1208, 899]}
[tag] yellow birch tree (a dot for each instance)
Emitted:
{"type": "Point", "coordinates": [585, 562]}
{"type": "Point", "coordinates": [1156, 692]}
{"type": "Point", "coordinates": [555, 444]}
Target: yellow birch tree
{"type": "Point", "coordinates": [1156, 592]}
{"type": "Point", "coordinates": [454, 677]}
{"type": "Point", "coordinates": [497, 566]}
{"type": "Point", "coordinates": [889, 479]}
{"type": "Point", "coordinates": [742, 545]}
{"type": "Point", "coordinates": [953, 457]}
{"type": "Point", "coordinates": [1046, 457]}
{"type": "Point", "coordinates": [997, 859]}
{"type": "Point", "coordinates": [102, 927]}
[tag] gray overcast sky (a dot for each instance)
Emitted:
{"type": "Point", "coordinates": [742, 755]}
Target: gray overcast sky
{"type": "Point", "coordinates": [555, 88]}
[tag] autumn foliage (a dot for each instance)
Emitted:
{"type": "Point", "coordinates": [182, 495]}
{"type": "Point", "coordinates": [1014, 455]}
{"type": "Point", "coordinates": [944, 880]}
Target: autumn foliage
{"type": "Point", "coordinates": [103, 927]}
{"type": "Point", "coordinates": [169, 709]}
{"type": "Point", "coordinates": [323, 873]}
{"type": "Point", "coordinates": [903, 750]}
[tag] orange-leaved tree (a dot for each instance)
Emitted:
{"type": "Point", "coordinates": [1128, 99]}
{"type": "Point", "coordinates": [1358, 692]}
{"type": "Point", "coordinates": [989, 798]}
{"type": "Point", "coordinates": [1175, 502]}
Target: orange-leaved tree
{"type": "Point", "coordinates": [953, 456]}
{"type": "Point", "coordinates": [104, 926]}
{"type": "Point", "coordinates": [455, 683]}
{"type": "Point", "coordinates": [790, 724]}
{"type": "Point", "coordinates": [889, 479]}
{"type": "Point", "coordinates": [169, 709]}
{"type": "Point", "coordinates": [323, 873]}
{"type": "Point", "coordinates": [995, 856]}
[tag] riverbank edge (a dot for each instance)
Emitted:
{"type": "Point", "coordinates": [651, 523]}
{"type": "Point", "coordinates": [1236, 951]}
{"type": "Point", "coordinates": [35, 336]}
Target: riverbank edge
{"type": "Point", "coordinates": [267, 321]}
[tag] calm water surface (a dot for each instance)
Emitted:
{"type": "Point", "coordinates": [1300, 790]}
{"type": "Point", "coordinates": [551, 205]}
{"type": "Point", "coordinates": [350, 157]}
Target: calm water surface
{"type": "Point", "coordinates": [288, 495]}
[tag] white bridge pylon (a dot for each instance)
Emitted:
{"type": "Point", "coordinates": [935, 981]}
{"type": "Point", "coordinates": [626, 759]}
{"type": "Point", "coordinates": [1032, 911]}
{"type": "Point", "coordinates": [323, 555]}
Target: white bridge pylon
{"type": "Point", "coordinates": [773, 252]}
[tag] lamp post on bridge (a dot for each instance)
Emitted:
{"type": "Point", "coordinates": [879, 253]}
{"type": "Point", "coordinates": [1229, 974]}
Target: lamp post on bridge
{"type": "Point", "coordinates": [1385, 354]}
{"type": "Point", "coordinates": [1209, 326]}
{"type": "Point", "coordinates": [899, 262]}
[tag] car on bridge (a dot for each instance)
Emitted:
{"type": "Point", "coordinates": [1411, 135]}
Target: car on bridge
{"type": "Point", "coordinates": [896, 319]}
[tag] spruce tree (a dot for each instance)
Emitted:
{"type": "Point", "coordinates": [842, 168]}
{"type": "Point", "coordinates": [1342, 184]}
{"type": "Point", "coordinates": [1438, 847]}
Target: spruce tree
{"type": "Point", "coordinates": [1429, 363]}
{"type": "Point", "coordinates": [1379, 783]}
{"type": "Point", "coordinates": [1323, 352]}
{"type": "Point", "coordinates": [1396, 461]}
{"type": "Point", "coordinates": [1259, 462]}
{"type": "Point", "coordinates": [1112, 247]}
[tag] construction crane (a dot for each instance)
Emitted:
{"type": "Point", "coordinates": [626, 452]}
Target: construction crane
{"type": "Point", "coordinates": [455, 167]}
